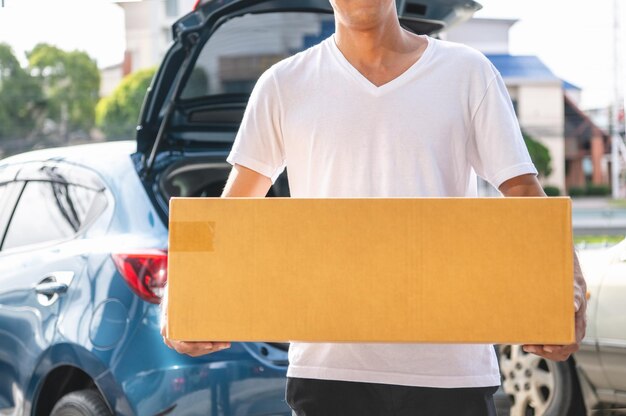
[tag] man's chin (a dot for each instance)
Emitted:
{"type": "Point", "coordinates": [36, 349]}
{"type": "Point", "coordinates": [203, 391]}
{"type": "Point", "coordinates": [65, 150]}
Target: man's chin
{"type": "Point", "coordinates": [363, 15]}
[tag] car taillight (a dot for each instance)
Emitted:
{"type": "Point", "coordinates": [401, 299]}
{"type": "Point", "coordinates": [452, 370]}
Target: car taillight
{"type": "Point", "coordinates": [196, 4]}
{"type": "Point", "coordinates": [144, 271]}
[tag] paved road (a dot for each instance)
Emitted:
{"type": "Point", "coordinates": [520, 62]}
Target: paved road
{"type": "Point", "coordinates": [598, 216]}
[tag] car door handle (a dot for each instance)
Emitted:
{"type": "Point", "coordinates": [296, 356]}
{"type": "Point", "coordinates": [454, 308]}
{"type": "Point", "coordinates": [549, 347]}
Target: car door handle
{"type": "Point", "coordinates": [53, 285]}
{"type": "Point", "coordinates": [51, 288]}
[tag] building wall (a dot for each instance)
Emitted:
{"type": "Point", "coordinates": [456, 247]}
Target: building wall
{"type": "Point", "coordinates": [490, 36]}
{"type": "Point", "coordinates": [540, 112]}
{"type": "Point", "coordinates": [145, 38]}
{"type": "Point", "coordinates": [574, 95]}
{"type": "Point", "coordinates": [109, 79]}
{"type": "Point", "coordinates": [148, 28]}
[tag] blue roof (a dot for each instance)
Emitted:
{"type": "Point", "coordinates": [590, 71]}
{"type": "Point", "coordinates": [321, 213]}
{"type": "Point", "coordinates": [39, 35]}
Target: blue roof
{"type": "Point", "coordinates": [524, 67]}
{"type": "Point", "coordinates": [570, 86]}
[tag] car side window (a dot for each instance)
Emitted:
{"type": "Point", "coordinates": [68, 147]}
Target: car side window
{"type": "Point", "coordinates": [48, 211]}
{"type": "Point", "coordinates": [7, 203]}
{"type": "Point", "coordinates": [82, 200]}
{"type": "Point", "coordinates": [4, 192]}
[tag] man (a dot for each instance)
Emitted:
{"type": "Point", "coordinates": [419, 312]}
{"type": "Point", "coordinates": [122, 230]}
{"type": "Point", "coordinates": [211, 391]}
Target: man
{"type": "Point", "coordinates": [376, 111]}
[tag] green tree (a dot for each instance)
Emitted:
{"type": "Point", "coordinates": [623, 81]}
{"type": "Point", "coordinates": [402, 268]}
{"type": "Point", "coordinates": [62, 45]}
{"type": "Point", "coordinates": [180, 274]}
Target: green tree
{"type": "Point", "coordinates": [71, 83]}
{"type": "Point", "coordinates": [21, 97]}
{"type": "Point", "coordinates": [117, 114]}
{"type": "Point", "coordinates": [539, 154]}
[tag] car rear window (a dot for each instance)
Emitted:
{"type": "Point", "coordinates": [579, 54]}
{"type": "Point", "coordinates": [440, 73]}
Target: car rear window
{"type": "Point", "coordinates": [244, 47]}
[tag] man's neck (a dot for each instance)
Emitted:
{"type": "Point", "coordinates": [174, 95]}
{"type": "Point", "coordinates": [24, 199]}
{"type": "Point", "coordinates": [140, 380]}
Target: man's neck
{"type": "Point", "coordinates": [373, 47]}
{"type": "Point", "coordinates": [381, 54]}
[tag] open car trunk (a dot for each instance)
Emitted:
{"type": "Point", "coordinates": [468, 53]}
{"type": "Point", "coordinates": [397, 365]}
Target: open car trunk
{"type": "Point", "coordinates": [201, 177]}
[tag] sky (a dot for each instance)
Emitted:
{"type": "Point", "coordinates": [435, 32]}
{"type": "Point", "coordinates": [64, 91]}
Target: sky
{"type": "Point", "coordinates": [94, 26]}
{"type": "Point", "coordinates": [573, 37]}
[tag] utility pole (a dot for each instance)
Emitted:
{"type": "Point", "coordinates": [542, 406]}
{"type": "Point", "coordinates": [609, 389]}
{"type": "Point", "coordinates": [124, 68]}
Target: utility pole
{"type": "Point", "coordinates": [618, 148]}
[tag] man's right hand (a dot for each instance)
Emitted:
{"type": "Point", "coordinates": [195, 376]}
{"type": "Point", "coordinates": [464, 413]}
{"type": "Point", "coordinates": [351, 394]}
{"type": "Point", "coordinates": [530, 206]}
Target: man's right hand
{"type": "Point", "coordinates": [193, 349]}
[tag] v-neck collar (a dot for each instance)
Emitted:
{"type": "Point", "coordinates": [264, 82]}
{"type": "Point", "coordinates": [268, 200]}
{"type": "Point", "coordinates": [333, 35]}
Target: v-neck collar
{"type": "Point", "coordinates": [388, 86]}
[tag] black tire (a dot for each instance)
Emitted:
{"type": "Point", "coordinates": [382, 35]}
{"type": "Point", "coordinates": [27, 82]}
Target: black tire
{"type": "Point", "coordinates": [81, 403]}
{"type": "Point", "coordinates": [536, 386]}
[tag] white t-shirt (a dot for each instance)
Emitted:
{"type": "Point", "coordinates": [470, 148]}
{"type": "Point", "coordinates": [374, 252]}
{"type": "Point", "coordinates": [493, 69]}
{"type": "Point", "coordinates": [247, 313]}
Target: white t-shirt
{"type": "Point", "coordinates": [422, 134]}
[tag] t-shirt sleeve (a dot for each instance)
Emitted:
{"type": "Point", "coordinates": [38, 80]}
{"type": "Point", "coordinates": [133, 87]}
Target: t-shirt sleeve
{"type": "Point", "coordinates": [259, 142]}
{"type": "Point", "coordinates": [496, 148]}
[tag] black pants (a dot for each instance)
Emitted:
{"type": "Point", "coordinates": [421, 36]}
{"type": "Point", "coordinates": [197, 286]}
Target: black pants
{"type": "Point", "coordinates": [308, 397]}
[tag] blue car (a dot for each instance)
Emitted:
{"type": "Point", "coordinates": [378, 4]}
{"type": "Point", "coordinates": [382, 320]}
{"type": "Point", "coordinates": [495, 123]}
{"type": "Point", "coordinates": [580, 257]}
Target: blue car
{"type": "Point", "coordinates": [83, 230]}
{"type": "Point", "coordinates": [82, 268]}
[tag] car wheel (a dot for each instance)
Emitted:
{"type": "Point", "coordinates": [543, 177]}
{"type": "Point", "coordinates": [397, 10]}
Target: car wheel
{"type": "Point", "coordinates": [81, 403]}
{"type": "Point", "coordinates": [535, 386]}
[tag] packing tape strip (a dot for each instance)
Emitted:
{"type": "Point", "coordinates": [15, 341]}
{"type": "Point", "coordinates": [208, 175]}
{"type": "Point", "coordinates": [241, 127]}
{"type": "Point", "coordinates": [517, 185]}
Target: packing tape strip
{"type": "Point", "coordinates": [192, 236]}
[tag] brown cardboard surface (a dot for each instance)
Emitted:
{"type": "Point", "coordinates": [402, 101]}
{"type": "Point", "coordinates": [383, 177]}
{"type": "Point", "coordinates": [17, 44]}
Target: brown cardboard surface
{"type": "Point", "coordinates": [381, 270]}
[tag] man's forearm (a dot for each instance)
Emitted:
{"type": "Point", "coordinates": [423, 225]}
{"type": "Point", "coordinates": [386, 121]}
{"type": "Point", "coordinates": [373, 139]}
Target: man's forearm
{"type": "Point", "coordinates": [522, 186]}
{"type": "Point", "coordinates": [244, 182]}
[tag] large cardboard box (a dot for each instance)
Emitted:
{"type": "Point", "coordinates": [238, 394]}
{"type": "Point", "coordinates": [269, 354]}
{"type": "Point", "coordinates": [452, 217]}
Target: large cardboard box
{"type": "Point", "coordinates": [451, 270]}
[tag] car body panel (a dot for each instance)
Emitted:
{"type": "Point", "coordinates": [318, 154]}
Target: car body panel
{"type": "Point", "coordinates": [28, 319]}
{"type": "Point", "coordinates": [602, 357]}
{"type": "Point", "coordinates": [594, 264]}
{"type": "Point", "coordinates": [226, 378]}
{"type": "Point", "coordinates": [611, 321]}
{"type": "Point", "coordinates": [73, 355]}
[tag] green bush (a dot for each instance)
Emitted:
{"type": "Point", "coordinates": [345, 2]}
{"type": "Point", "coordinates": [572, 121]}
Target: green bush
{"type": "Point", "coordinates": [552, 190]}
{"type": "Point", "coordinates": [575, 191]}
{"type": "Point", "coordinates": [117, 114]}
{"type": "Point", "coordinates": [598, 190]}
{"type": "Point", "coordinates": [590, 190]}
{"type": "Point", "coordinates": [539, 154]}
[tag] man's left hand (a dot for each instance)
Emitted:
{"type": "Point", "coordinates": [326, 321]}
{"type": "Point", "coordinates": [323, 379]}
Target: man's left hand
{"type": "Point", "coordinates": [561, 352]}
